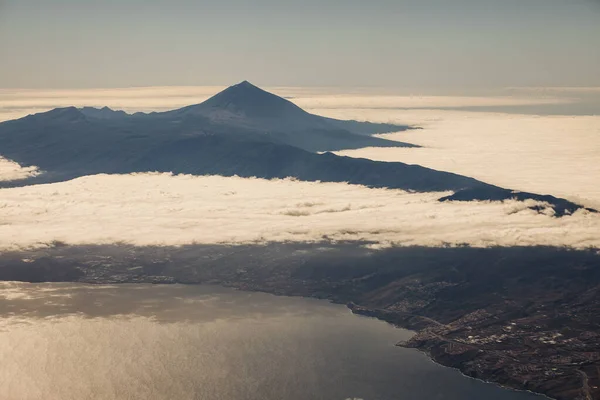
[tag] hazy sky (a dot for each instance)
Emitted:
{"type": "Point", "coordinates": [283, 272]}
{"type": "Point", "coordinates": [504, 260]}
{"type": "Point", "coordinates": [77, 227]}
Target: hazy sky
{"type": "Point", "coordinates": [402, 43]}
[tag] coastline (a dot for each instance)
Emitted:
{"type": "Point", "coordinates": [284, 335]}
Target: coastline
{"type": "Point", "coordinates": [433, 360]}
{"type": "Point", "coordinates": [501, 325]}
{"type": "Point", "coordinates": [365, 312]}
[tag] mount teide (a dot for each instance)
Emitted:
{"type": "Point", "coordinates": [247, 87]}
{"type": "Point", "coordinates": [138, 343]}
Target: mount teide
{"type": "Point", "coordinates": [248, 106]}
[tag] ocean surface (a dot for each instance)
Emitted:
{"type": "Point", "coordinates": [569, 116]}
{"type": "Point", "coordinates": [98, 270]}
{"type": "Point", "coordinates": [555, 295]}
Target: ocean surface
{"type": "Point", "coordinates": [72, 341]}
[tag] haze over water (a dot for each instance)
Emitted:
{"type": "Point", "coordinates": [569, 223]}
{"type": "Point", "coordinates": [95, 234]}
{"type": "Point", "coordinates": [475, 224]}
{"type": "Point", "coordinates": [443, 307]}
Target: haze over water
{"type": "Point", "coordinates": [71, 341]}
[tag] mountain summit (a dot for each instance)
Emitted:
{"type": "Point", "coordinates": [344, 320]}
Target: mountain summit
{"type": "Point", "coordinates": [250, 106]}
{"type": "Point", "coordinates": [253, 102]}
{"type": "Point", "coordinates": [245, 109]}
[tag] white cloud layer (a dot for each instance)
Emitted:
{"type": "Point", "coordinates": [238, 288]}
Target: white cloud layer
{"type": "Point", "coordinates": [417, 101]}
{"type": "Point", "coordinates": [160, 209]}
{"type": "Point", "coordinates": [10, 170]}
{"type": "Point", "coordinates": [558, 155]}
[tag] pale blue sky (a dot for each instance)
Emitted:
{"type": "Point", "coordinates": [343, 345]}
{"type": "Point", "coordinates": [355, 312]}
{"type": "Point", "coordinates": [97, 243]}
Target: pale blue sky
{"type": "Point", "coordinates": [396, 43]}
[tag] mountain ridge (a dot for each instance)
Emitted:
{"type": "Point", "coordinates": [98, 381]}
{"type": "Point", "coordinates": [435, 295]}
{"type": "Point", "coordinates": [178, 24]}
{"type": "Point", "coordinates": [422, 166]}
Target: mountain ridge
{"type": "Point", "coordinates": [244, 109]}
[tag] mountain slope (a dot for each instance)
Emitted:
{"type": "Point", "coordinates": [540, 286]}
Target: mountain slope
{"type": "Point", "coordinates": [247, 108]}
{"type": "Point", "coordinates": [66, 144]}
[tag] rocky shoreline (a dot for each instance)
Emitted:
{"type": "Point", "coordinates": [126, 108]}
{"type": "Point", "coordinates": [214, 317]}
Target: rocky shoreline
{"type": "Point", "coordinates": [436, 348]}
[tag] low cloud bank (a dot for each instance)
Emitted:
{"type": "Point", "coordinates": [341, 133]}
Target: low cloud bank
{"type": "Point", "coordinates": [161, 209]}
{"type": "Point", "coordinates": [334, 101]}
{"type": "Point", "coordinates": [10, 171]}
{"type": "Point", "coordinates": [556, 155]}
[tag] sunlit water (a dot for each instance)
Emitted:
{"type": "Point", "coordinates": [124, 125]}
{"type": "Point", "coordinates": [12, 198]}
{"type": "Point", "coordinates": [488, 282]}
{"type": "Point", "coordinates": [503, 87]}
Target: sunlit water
{"type": "Point", "coordinates": [67, 341]}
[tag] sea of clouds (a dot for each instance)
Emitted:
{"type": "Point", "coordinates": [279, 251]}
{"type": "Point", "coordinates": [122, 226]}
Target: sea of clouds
{"type": "Point", "coordinates": [557, 155]}
{"type": "Point", "coordinates": [162, 209]}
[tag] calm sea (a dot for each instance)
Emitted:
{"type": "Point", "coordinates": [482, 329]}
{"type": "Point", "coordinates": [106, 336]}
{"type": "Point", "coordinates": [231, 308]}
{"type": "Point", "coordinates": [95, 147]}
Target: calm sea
{"type": "Point", "coordinates": [71, 341]}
